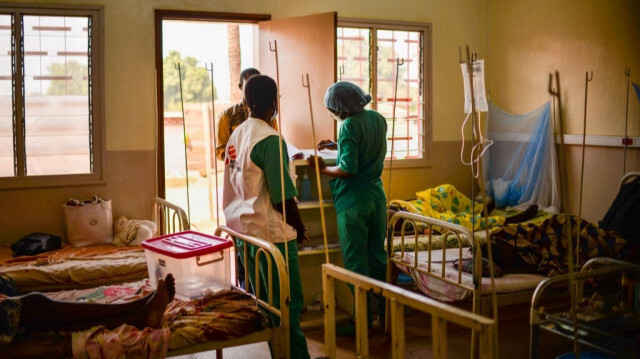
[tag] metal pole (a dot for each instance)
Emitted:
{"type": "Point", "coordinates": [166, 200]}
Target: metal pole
{"type": "Point", "coordinates": [627, 73]}
{"type": "Point", "coordinates": [399, 62]}
{"type": "Point", "coordinates": [215, 143]}
{"type": "Point", "coordinates": [274, 49]}
{"type": "Point", "coordinates": [184, 134]}
{"type": "Point", "coordinates": [317, 168]}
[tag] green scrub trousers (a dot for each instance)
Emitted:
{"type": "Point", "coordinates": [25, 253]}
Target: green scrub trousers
{"type": "Point", "coordinates": [298, 341]}
{"type": "Point", "coordinates": [362, 233]}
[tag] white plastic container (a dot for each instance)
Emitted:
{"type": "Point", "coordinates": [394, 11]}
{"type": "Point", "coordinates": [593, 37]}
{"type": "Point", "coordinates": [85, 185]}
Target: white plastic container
{"type": "Point", "coordinates": [200, 263]}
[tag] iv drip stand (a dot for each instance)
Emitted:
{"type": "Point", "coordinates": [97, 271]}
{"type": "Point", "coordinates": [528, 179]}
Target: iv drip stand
{"type": "Point", "coordinates": [184, 134]}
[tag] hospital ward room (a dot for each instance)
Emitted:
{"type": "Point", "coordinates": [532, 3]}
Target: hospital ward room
{"type": "Point", "coordinates": [320, 179]}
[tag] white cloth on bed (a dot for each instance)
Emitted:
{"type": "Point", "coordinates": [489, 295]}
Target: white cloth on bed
{"type": "Point", "coordinates": [447, 292]}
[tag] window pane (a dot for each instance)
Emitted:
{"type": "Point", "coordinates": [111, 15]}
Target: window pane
{"type": "Point", "coordinates": [6, 99]}
{"type": "Point", "coordinates": [409, 127]}
{"type": "Point", "coordinates": [57, 118]}
{"type": "Point", "coordinates": [354, 56]}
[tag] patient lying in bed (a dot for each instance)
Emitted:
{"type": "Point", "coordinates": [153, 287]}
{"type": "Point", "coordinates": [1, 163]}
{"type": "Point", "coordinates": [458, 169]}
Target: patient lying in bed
{"type": "Point", "coordinates": [35, 312]}
{"type": "Point", "coordinates": [447, 204]}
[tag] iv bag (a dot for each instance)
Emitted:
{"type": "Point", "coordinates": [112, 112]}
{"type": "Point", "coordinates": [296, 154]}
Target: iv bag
{"type": "Point", "coordinates": [480, 97]}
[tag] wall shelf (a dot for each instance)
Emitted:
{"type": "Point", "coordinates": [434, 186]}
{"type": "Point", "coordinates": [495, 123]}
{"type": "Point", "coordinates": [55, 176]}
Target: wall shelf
{"type": "Point", "coordinates": [316, 246]}
{"type": "Point", "coordinates": [327, 203]}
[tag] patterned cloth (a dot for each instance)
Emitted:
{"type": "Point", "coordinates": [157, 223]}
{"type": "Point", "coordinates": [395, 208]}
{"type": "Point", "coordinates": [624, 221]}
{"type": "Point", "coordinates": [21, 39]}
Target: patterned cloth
{"type": "Point", "coordinates": [224, 316]}
{"type": "Point", "coordinates": [125, 341]}
{"type": "Point", "coordinates": [545, 246]}
{"type": "Point", "coordinates": [10, 309]}
{"type": "Point", "coordinates": [446, 203]}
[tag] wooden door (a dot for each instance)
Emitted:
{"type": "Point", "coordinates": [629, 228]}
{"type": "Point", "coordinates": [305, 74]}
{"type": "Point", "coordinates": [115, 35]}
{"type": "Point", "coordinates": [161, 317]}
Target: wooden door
{"type": "Point", "coordinates": [305, 44]}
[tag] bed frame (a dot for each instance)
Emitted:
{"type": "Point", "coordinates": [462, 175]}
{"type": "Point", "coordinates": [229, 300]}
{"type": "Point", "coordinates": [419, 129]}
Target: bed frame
{"type": "Point", "coordinates": [277, 336]}
{"type": "Point", "coordinates": [411, 221]}
{"type": "Point", "coordinates": [168, 217]}
{"type": "Point", "coordinates": [482, 303]}
{"type": "Point", "coordinates": [551, 317]}
{"type": "Point", "coordinates": [484, 329]}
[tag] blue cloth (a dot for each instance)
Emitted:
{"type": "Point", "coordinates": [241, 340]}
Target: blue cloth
{"type": "Point", "coordinates": [346, 97]}
{"type": "Point", "coordinates": [637, 88]}
{"type": "Point", "coordinates": [520, 165]}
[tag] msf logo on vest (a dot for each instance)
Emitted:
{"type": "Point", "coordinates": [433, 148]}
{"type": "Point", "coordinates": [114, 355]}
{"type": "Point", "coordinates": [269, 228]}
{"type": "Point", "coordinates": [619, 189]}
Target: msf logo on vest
{"type": "Point", "coordinates": [231, 159]}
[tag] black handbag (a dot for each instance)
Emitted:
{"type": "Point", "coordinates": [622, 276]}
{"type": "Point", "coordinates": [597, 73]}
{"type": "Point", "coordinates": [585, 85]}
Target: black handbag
{"type": "Point", "coordinates": [36, 243]}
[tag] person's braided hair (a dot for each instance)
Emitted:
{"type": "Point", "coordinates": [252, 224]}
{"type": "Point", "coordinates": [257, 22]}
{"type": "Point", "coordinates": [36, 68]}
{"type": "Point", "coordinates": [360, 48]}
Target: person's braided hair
{"type": "Point", "coordinates": [260, 92]}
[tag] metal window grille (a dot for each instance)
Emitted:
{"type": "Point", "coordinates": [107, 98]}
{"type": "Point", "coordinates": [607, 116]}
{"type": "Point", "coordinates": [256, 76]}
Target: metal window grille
{"type": "Point", "coordinates": [367, 57]}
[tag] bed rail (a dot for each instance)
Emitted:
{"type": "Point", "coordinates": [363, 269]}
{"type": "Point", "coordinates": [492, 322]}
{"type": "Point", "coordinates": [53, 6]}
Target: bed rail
{"type": "Point", "coordinates": [168, 217]}
{"type": "Point", "coordinates": [281, 340]}
{"type": "Point", "coordinates": [399, 298]}
{"type": "Point", "coordinates": [595, 267]}
{"type": "Point", "coordinates": [448, 230]}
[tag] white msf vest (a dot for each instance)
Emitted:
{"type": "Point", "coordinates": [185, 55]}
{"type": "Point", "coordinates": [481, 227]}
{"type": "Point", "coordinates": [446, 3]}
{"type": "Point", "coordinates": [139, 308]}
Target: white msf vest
{"type": "Point", "coordinates": [246, 200]}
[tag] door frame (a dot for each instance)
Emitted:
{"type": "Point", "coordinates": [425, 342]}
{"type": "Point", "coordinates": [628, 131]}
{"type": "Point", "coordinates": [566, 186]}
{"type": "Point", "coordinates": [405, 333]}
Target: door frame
{"type": "Point", "coordinates": [163, 14]}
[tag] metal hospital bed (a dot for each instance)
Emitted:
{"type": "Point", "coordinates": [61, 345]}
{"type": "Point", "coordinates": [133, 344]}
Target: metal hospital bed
{"type": "Point", "coordinates": [433, 269]}
{"type": "Point", "coordinates": [88, 267]}
{"type": "Point", "coordinates": [170, 218]}
{"type": "Point", "coordinates": [279, 335]}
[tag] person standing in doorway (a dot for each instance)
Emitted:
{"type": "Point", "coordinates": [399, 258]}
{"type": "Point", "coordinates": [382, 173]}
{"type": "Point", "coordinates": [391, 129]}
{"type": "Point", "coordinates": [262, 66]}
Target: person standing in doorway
{"type": "Point", "coordinates": [233, 116]}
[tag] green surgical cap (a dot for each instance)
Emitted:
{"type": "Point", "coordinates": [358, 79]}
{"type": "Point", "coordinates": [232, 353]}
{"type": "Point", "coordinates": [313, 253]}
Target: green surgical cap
{"type": "Point", "coordinates": [346, 97]}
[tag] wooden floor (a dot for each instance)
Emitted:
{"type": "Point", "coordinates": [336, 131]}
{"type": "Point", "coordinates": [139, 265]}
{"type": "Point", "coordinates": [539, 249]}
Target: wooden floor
{"type": "Point", "coordinates": [513, 340]}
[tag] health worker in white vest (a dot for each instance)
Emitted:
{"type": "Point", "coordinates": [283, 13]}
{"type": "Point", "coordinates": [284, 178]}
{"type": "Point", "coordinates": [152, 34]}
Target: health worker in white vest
{"type": "Point", "coordinates": [252, 198]}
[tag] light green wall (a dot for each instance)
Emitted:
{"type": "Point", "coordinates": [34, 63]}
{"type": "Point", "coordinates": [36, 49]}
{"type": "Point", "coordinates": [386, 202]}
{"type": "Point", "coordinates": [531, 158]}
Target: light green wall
{"type": "Point", "coordinates": [527, 40]}
{"type": "Point", "coordinates": [129, 53]}
{"type": "Point", "coordinates": [522, 41]}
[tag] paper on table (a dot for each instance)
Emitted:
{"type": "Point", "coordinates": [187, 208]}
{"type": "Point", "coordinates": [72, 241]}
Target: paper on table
{"type": "Point", "coordinates": [326, 154]}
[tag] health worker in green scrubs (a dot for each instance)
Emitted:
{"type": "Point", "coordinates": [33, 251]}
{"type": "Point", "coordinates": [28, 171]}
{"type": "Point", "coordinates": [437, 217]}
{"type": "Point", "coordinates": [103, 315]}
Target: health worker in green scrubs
{"type": "Point", "coordinates": [356, 186]}
{"type": "Point", "coordinates": [253, 199]}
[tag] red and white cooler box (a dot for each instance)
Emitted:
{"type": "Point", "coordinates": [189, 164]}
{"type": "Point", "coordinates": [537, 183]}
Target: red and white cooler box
{"type": "Point", "coordinates": [199, 262]}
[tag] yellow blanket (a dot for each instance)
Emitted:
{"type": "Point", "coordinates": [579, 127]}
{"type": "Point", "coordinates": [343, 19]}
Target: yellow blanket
{"type": "Point", "coordinates": [446, 203]}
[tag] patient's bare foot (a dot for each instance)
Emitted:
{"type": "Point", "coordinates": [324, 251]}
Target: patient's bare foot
{"type": "Point", "coordinates": [153, 311]}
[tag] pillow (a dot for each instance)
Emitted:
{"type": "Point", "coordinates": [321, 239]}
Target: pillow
{"type": "Point", "coordinates": [131, 232]}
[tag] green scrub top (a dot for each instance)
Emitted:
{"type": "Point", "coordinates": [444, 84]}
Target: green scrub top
{"type": "Point", "coordinates": [265, 155]}
{"type": "Point", "coordinates": [362, 147]}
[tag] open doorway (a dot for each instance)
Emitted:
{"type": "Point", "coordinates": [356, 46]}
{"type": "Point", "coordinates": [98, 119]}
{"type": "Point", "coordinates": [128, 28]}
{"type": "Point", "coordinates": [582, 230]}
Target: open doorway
{"type": "Point", "coordinates": [206, 47]}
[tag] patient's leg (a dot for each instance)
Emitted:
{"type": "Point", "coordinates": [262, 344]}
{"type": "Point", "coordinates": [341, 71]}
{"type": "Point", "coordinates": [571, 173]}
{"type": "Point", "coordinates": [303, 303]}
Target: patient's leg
{"type": "Point", "coordinates": [41, 313]}
{"type": "Point", "coordinates": [524, 216]}
{"type": "Point", "coordinates": [54, 346]}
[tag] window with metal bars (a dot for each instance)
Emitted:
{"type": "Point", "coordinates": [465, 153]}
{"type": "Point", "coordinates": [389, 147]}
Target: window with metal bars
{"type": "Point", "coordinates": [50, 110]}
{"type": "Point", "coordinates": [367, 54]}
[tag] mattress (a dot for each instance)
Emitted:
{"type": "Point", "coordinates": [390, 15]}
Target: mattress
{"type": "Point", "coordinates": [437, 241]}
{"type": "Point", "coordinates": [74, 267]}
{"type": "Point", "coordinates": [224, 316]}
{"type": "Point", "coordinates": [447, 292]}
